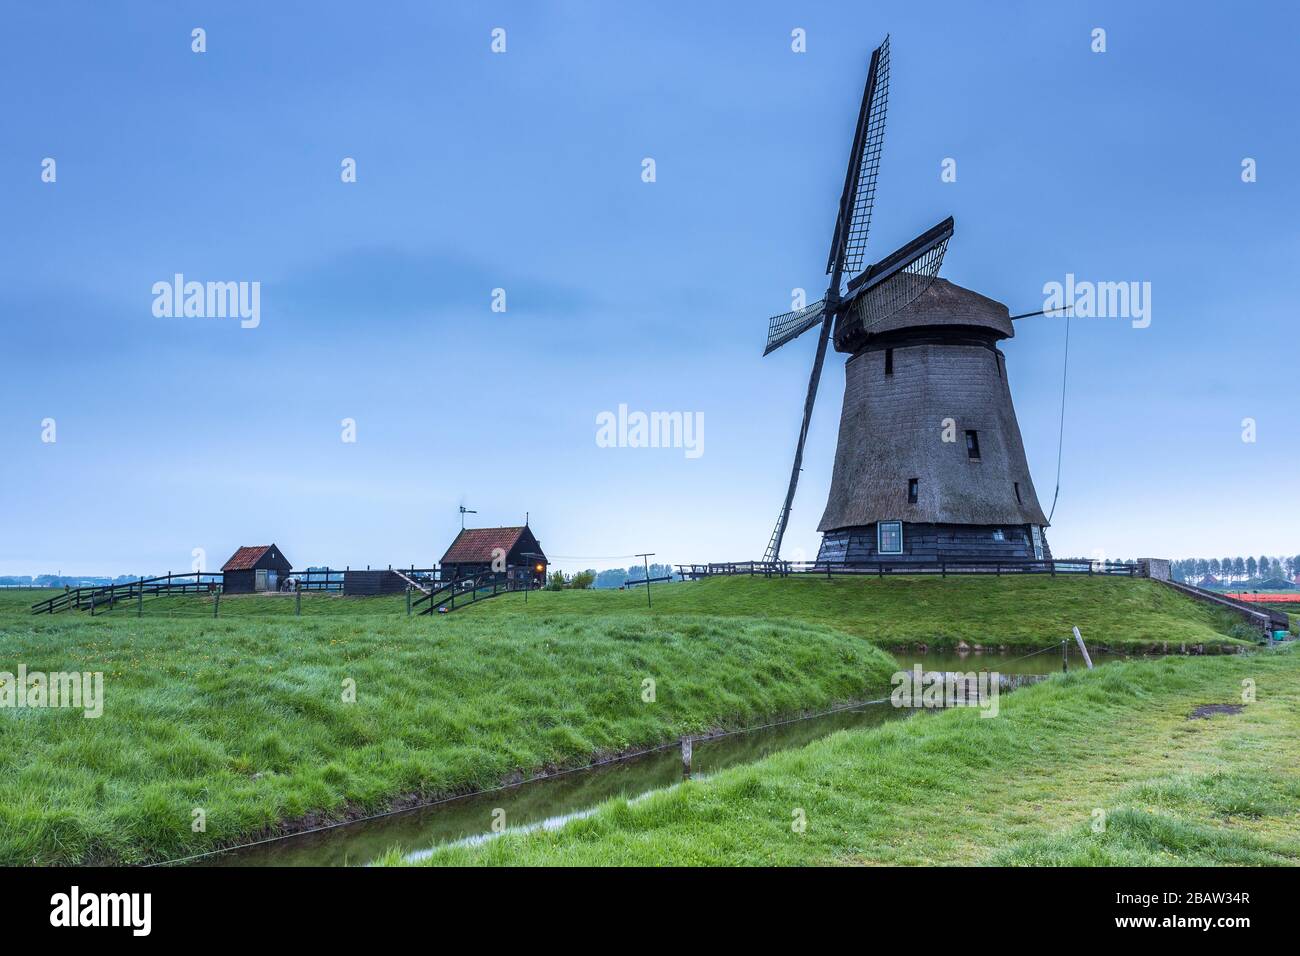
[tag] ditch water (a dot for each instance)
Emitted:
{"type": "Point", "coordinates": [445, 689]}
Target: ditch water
{"type": "Point", "coordinates": [552, 801]}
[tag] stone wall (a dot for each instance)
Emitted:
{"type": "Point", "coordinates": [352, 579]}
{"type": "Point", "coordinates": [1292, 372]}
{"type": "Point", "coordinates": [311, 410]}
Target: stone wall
{"type": "Point", "coordinates": [1155, 568]}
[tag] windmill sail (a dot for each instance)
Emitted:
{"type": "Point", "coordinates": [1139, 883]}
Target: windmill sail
{"type": "Point", "coordinates": [790, 325]}
{"type": "Point", "coordinates": [851, 225]}
{"type": "Point", "coordinates": [859, 195]}
{"type": "Point", "coordinates": [894, 282]}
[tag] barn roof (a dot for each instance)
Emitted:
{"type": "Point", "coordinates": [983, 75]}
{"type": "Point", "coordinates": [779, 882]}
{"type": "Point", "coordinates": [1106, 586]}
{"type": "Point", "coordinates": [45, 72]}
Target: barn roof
{"type": "Point", "coordinates": [247, 556]}
{"type": "Point", "coordinates": [477, 544]}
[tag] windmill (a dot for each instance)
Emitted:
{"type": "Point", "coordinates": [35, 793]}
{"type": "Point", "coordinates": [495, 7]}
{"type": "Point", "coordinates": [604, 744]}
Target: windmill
{"type": "Point", "coordinates": [887, 469]}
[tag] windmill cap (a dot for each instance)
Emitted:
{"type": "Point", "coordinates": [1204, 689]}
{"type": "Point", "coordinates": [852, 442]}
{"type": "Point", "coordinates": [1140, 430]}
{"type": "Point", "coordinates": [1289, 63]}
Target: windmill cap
{"type": "Point", "coordinates": [947, 304]}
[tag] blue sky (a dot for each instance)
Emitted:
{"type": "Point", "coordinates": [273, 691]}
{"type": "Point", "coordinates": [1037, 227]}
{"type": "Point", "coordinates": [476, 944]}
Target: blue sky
{"type": "Point", "coordinates": [522, 171]}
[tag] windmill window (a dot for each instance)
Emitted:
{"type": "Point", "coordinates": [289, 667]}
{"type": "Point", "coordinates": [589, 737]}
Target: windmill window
{"type": "Point", "coordinates": [998, 535]}
{"type": "Point", "coordinates": [889, 537]}
{"type": "Point", "coordinates": [912, 487]}
{"type": "Point", "coordinates": [1017, 484]}
{"type": "Point", "coordinates": [972, 445]}
{"type": "Point", "coordinates": [889, 361]}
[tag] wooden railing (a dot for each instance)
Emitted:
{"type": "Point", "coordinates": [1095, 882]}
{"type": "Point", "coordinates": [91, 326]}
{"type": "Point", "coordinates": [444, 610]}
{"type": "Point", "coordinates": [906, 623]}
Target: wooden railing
{"type": "Point", "coordinates": [462, 591]}
{"type": "Point", "coordinates": [107, 596]}
{"type": "Point", "coordinates": [942, 567]}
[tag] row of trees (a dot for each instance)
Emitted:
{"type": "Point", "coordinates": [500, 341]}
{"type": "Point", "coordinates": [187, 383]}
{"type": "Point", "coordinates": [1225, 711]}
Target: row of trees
{"type": "Point", "coordinates": [610, 578]}
{"type": "Point", "coordinates": [1244, 571]}
{"type": "Point", "coordinates": [58, 581]}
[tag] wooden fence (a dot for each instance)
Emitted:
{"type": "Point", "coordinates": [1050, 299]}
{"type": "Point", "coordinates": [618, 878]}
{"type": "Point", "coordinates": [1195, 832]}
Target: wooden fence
{"type": "Point", "coordinates": [942, 567]}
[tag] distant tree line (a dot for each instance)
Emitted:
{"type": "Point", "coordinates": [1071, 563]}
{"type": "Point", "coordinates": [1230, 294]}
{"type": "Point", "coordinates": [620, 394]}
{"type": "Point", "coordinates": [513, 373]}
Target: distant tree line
{"type": "Point", "coordinates": [609, 578]}
{"type": "Point", "coordinates": [64, 580]}
{"type": "Point", "coordinates": [1242, 572]}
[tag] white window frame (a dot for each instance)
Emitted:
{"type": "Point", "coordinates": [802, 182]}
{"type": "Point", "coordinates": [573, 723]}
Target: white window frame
{"type": "Point", "coordinates": [880, 527]}
{"type": "Point", "coordinates": [1036, 533]}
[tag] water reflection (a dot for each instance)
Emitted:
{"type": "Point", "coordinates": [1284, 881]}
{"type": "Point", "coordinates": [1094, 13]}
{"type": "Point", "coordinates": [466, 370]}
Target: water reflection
{"type": "Point", "coordinates": [554, 800]}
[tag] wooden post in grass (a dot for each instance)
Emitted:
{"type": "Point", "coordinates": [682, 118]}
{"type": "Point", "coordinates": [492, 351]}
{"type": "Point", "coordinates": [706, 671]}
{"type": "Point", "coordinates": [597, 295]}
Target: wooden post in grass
{"type": "Point", "coordinates": [686, 757]}
{"type": "Point", "coordinates": [1086, 659]}
{"type": "Point", "coordinates": [139, 598]}
{"type": "Point", "coordinates": [216, 604]}
{"type": "Point", "coordinates": [297, 598]}
{"type": "Point", "coordinates": [646, 556]}
{"type": "Point", "coordinates": [1065, 657]}
{"type": "Point", "coordinates": [408, 600]}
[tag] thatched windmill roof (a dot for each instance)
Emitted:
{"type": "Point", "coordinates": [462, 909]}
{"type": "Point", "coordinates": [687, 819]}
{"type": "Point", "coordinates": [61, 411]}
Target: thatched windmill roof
{"type": "Point", "coordinates": [946, 304]}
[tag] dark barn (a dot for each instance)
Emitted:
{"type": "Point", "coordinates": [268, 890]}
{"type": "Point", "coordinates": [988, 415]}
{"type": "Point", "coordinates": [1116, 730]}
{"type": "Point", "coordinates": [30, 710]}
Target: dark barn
{"type": "Point", "coordinates": [259, 567]}
{"type": "Point", "coordinates": [515, 549]}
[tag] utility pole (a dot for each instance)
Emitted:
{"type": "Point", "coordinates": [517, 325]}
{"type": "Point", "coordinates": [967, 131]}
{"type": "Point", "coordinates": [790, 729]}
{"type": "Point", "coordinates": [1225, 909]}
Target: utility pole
{"type": "Point", "coordinates": [463, 512]}
{"type": "Point", "coordinates": [646, 556]}
{"type": "Point", "coordinates": [528, 581]}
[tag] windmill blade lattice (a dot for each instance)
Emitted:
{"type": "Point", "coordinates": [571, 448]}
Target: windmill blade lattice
{"type": "Point", "coordinates": [868, 163]}
{"type": "Point", "coordinates": [788, 326]}
{"type": "Point", "coordinates": [898, 291]}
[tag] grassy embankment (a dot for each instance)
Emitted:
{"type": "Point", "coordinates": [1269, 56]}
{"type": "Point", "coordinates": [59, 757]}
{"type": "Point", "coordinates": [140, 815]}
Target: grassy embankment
{"type": "Point", "coordinates": [907, 611]}
{"type": "Point", "coordinates": [1020, 788]}
{"type": "Point", "coordinates": [244, 716]}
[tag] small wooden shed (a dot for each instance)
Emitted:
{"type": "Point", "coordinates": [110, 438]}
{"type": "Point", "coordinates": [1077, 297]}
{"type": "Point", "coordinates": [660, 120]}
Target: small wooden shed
{"type": "Point", "coordinates": [514, 550]}
{"type": "Point", "coordinates": [252, 568]}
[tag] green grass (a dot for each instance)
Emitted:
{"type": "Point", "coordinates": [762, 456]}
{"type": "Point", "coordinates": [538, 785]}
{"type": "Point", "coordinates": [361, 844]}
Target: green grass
{"type": "Point", "coordinates": [244, 718]}
{"type": "Point", "coordinates": [242, 715]}
{"type": "Point", "coordinates": [906, 611]}
{"type": "Point", "coordinates": [1020, 788]}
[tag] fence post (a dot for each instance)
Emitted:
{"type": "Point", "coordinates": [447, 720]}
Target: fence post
{"type": "Point", "coordinates": [216, 604]}
{"type": "Point", "coordinates": [686, 757]}
{"type": "Point", "coordinates": [1065, 657]}
{"type": "Point", "coordinates": [1083, 648]}
{"type": "Point", "coordinates": [139, 597]}
{"type": "Point", "coordinates": [297, 598]}
{"type": "Point", "coordinates": [408, 600]}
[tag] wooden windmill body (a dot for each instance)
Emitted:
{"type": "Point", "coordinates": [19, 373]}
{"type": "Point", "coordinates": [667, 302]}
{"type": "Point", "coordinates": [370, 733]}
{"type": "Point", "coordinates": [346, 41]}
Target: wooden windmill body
{"type": "Point", "coordinates": [930, 464]}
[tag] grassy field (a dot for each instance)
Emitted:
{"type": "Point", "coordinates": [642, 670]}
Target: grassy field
{"type": "Point", "coordinates": [244, 716]}
{"type": "Point", "coordinates": [1011, 612]}
{"type": "Point", "coordinates": [1116, 747]}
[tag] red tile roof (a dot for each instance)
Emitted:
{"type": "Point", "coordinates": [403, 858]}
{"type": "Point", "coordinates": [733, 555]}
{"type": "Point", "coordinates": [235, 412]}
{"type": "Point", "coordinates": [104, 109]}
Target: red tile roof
{"type": "Point", "coordinates": [246, 558]}
{"type": "Point", "coordinates": [477, 544]}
